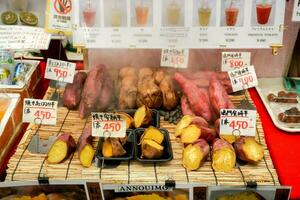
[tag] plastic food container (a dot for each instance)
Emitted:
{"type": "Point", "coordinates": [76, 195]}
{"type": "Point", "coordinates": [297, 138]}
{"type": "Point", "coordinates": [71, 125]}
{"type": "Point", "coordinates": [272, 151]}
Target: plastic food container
{"type": "Point", "coordinates": [129, 147]}
{"type": "Point", "coordinates": [167, 154]}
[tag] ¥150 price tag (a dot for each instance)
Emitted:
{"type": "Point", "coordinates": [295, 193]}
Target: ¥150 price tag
{"type": "Point", "coordinates": [237, 122]}
{"type": "Point", "coordinates": [60, 70]}
{"type": "Point", "coordinates": [235, 60]}
{"type": "Point", "coordinates": [177, 58]}
{"type": "Point", "coordinates": [39, 111]}
{"type": "Point", "coordinates": [243, 78]}
{"type": "Point", "coordinates": [108, 125]}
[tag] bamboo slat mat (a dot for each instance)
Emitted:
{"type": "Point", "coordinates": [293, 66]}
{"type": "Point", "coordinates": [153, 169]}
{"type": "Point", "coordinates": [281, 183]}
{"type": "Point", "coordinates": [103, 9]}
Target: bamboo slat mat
{"type": "Point", "coordinates": [27, 166]}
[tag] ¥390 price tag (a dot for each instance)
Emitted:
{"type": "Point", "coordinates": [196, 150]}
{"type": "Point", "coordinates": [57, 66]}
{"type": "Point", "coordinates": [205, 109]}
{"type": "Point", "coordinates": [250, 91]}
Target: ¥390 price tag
{"type": "Point", "coordinates": [60, 70]}
{"type": "Point", "coordinates": [243, 78]}
{"type": "Point", "coordinates": [39, 111]}
{"type": "Point", "coordinates": [108, 125]}
{"type": "Point", "coordinates": [177, 58]}
{"type": "Point", "coordinates": [237, 122]}
{"type": "Point", "coordinates": [235, 60]}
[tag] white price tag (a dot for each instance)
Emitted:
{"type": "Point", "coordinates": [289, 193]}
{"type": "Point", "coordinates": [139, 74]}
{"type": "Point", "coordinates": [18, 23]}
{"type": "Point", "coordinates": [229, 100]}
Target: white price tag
{"type": "Point", "coordinates": [178, 58]}
{"type": "Point", "coordinates": [108, 125]}
{"type": "Point", "coordinates": [296, 11]}
{"type": "Point", "coordinates": [243, 78]}
{"type": "Point", "coordinates": [60, 70]}
{"type": "Point", "coordinates": [39, 111]}
{"type": "Point", "coordinates": [235, 60]}
{"type": "Point", "coordinates": [238, 122]}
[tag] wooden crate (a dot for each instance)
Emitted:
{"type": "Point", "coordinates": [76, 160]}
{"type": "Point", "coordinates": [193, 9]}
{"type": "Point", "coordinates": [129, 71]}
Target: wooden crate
{"type": "Point", "coordinates": [28, 166]}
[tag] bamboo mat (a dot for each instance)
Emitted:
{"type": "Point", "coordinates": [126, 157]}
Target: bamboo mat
{"type": "Point", "coordinates": [27, 166]}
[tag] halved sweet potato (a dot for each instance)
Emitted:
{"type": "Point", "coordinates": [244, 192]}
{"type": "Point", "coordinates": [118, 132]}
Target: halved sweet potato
{"type": "Point", "coordinates": [154, 134]}
{"type": "Point", "coordinates": [142, 116]}
{"type": "Point", "coordinates": [151, 149]}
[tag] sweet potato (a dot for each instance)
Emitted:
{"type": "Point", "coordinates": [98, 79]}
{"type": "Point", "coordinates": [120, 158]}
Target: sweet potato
{"type": "Point", "coordinates": [158, 76]}
{"type": "Point", "coordinates": [127, 72]}
{"type": "Point", "coordinates": [128, 119]}
{"type": "Point", "coordinates": [107, 150]}
{"type": "Point", "coordinates": [85, 148]}
{"type": "Point", "coordinates": [151, 149]}
{"type": "Point", "coordinates": [190, 134]}
{"type": "Point", "coordinates": [248, 149]}
{"type": "Point", "coordinates": [106, 95]}
{"type": "Point", "coordinates": [224, 157]}
{"type": "Point", "coordinates": [185, 121]}
{"type": "Point", "coordinates": [91, 91]}
{"type": "Point", "coordinates": [195, 154]}
{"type": "Point", "coordinates": [128, 88]}
{"type": "Point", "coordinates": [152, 133]}
{"type": "Point", "coordinates": [145, 72]}
{"type": "Point", "coordinates": [72, 93]}
{"type": "Point", "coordinates": [208, 134]}
{"type": "Point", "coordinates": [142, 116]}
{"type": "Point", "coordinates": [112, 147]}
{"type": "Point", "coordinates": [185, 107]}
{"type": "Point", "coordinates": [199, 121]}
{"type": "Point", "coordinates": [170, 98]}
{"type": "Point", "coordinates": [60, 150]}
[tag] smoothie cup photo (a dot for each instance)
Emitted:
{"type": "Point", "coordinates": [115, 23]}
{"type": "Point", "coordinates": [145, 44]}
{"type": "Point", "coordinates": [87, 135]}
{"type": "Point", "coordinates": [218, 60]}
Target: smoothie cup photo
{"type": "Point", "coordinates": [173, 13]}
{"type": "Point", "coordinates": [263, 11]}
{"type": "Point", "coordinates": [116, 15]}
{"type": "Point", "coordinates": [232, 13]}
{"type": "Point", "coordinates": [89, 14]}
{"type": "Point", "coordinates": [204, 13]}
{"type": "Point", "coordinates": [141, 13]}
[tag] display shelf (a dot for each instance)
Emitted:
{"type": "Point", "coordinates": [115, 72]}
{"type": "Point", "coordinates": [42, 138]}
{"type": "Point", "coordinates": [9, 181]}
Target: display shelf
{"type": "Point", "coordinates": [28, 166]}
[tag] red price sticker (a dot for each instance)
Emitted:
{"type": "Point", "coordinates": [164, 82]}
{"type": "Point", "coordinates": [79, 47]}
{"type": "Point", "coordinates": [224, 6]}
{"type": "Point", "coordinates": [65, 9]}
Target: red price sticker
{"type": "Point", "coordinates": [39, 111]}
{"type": "Point", "coordinates": [235, 60]}
{"type": "Point", "coordinates": [60, 70]}
{"type": "Point", "coordinates": [237, 122]}
{"type": "Point", "coordinates": [243, 78]}
{"type": "Point", "coordinates": [108, 125]}
{"type": "Point", "coordinates": [177, 58]}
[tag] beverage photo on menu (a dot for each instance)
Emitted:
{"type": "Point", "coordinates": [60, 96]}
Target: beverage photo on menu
{"type": "Point", "coordinates": [142, 13]}
{"type": "Point", "coordinates": [232, 13]}
{"type": "Point", "coordinates": [173, 12]}
{"type": "Point", "coordinates": [204, 13]}
{"type": "Point", "coordinates": [90, 16]}
{"type": "Point", "coordinates": [115, 13]}
{"type": "Point", "coordinates": [263, 13]}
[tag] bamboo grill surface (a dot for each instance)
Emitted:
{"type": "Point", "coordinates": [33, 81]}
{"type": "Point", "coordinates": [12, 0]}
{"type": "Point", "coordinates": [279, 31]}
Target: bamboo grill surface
{"type": "Point", "coordinates": [27, 166]}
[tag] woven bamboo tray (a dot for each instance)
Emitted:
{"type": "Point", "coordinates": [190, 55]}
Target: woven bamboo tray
{"type": "Point", "coordinates": [27, 166]}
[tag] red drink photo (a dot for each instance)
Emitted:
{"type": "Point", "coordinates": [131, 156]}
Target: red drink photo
{"type": "Point", "coordinates": [263, 13]}
{"type": "Point", "coordinates": [231, 16]}
{"type": "Point", "coordinates": [89, 15]}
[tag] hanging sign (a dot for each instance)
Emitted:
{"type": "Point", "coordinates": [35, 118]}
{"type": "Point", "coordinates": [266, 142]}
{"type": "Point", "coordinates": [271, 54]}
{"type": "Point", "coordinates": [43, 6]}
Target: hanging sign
{"type": "Point", "coordinates": [243, 78]}
{"type": "Point", "coordinates": [60, 70]}
{"type": "Point", "coordinates": [59, 16]}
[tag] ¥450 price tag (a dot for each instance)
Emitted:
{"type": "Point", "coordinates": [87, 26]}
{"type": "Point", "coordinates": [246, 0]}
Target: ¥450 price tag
{"type": "Point", "coordinates": [237, 122]}
{"type": "Point", "coordinates": [243, 78]}
{"type": "Point", "coordinates": [108, 125]}
{"type": "Point", "coordinates": [177, 58]}
{"type": "Point", "coordinates": [39, 111]}
{"type": "Point", "coordinates": [235, 60]}
{"type": "Point", "coordinates": [60, 70]}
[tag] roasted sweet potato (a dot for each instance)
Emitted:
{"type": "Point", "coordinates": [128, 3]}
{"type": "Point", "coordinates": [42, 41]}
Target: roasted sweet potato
{"type": "Point", "coordinates": [85, 148]}
{"type": "Point", "coordinates": [106, 95]}
{"type": "Point", "coordinates": [170, 98]}
{"type": "Point", "coordinates": [128, 119]}
{"type": "Point", "coordinates": [72, 93]}
{"type": "Point", "coordinates": [127, 72]}
{"type": "Point", "coordinates": [145, 72]}
{"type": "Point", "coordinates": [142, 116]}
{"type": "Point", "coordinates": [158, 76]}
{"type": "Point", "coordinates": [224, 157]}
{"type": "Point", "coordinates": [185, 121]}
{"type": "Point", "coordinates": [112, 147]}
{"type": "Point", "coordinates": [185, 107]}
{"type": "Point", "coordinates": [151, 149]}
{"type": "Point", "coordinates": [128, 88]}
{"type": "Point", "coordinates": [190, 134]}
{"type": "Point", "coordinates": [152, 133]}
{"type": "Point", "coordinates": [249, 150]}
{"type": "Point", "coordinates": [60, 150]}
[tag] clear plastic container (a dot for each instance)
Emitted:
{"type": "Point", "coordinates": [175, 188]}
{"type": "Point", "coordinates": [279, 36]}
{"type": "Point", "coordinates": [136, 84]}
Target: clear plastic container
{"type": "Point", "coordinates": [89, 13]}
{"type": "Point", "coordinates": [7, 68]}
{"type": "Point", "coordinates": [232, 12]}
{"type": "Point", "coordinates": [263, 11]}
{"type": "Point", "coordinates": [20, 5]}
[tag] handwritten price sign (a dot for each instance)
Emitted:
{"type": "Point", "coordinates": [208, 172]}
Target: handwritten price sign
{"type": "Point", "coordinates": [39, 111]}
{"type": "Point", "coordinates": [235, 60]}
{"type": "Point", "coordinates": [243, 78]}
{"type": "Point", "coordinates": [108, 125]}
{"type": "Point", "coordinates": [60, 70]}
{"type": "Point", "coordinates": [177, 58]}
{"type": "Point", "coordinates": [238, 122]}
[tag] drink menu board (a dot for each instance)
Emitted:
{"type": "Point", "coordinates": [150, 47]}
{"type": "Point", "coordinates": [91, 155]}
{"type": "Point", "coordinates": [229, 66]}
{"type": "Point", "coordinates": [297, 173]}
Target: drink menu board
{"type": "Point", "coordinates": [179, 23]}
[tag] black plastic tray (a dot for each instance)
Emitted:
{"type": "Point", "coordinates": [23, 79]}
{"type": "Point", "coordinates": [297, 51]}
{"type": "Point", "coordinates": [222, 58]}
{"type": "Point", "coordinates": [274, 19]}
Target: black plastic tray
{"type": "Point", "coordinates": [167, 155]}
{"type": "Point", "coordinates": [155, 118]}
{"type": "Point", "coordinates": [129, 147]}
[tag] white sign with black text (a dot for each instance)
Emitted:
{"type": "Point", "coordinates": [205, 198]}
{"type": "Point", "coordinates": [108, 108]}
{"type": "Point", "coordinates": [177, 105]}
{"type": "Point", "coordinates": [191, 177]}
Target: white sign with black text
{"type": "Point", "coordinates": [235, 60]}
{"type": "Point", "coordinates": [60, 70]}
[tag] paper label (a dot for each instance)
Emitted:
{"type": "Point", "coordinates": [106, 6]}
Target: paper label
{"type": "Point", "coordinates": [237, 122]}
{"type": "Point", "coordinates": [296, 11]}
{"type": "Point", "coordinates": [23, 37]}
{"type": "Point", "coordinates": [177, 58]}
{"type": "Point", "coordinates": [108, 125]}
{"type": "Point", "coordinates": [60, 70]}
{"type": "Point", "coordinates": [243, 78]}
{"type": "Point", "coordinates": [59, 16]}
{"type": "Point", "coordinates": [235, 60]}
{"type": "Point", "coordinates": [39, 111]}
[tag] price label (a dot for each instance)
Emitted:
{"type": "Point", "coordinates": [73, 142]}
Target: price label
{"type": "Point", "coordinates": [296, 11]}
{"type": "Point", "coordinates": [39, 111]}
{"type": "Point", "coordinates": [108, 125]}
{"type": "Point", "coordinates": [243, 78]}
{"type": "Point", "coordinates": [237, 122]}
{"type": "Point", "coordinates": [235, 60]}
{"type": "Point", "coordinates": [60, 70]}
{"type": "Point", "coordinates": [177, 58]}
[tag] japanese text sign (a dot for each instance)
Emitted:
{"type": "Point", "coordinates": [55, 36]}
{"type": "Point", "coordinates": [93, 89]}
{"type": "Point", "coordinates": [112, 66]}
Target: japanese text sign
{"type": "Point", "coordinates": [235, 60]}
{"type": "Point", "coordinates": [177, 58]}
{"type": "Point", "coordinates": [243, 78]}
{"type": "Point", "coordinates": [60, 70]}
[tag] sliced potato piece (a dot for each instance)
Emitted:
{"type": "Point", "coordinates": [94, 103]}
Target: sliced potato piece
{"type": "Point", "coordinates": [154, 134]}
{"type": "Point", "coordinates": [190, 134]}
{"type": "Point", "coordinates": [142, 116]}
{"type": "Point", "coordinates": [182, 124]}
{"type": "Point", "coordinates": [151, 149]}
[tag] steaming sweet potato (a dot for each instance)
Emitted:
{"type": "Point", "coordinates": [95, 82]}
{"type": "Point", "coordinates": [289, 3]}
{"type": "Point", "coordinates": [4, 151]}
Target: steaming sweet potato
{"type": "Point", "coordinates": [224, 157]}
{"type": "Point", "coordinates": [151, 149]}
{"type": "Point", "coordinates": [142, 116]}
{"type": "Point", "coordinates": [154, 134]}
{"type": "Point", "coordinates": [72, 93]}
{"type": "Point", "coordinates": [185, 121]}
{"type": "Point", "coordinates": [112, 147]}
{"type": "Point", "coordinates": [85, 148]}
{"type": "Point", "coordinates": [195, 154]}
{"type": "Point", "coordinates": [190, 134]}
{"type": "Point", "coordinates": [63, 146]}
{"type": "Point", "coordinates": [170, 98]}
{"type": "Point", "coordinates": [128, 119]}
{"type": "Point", "coordinates": [248, 149]}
